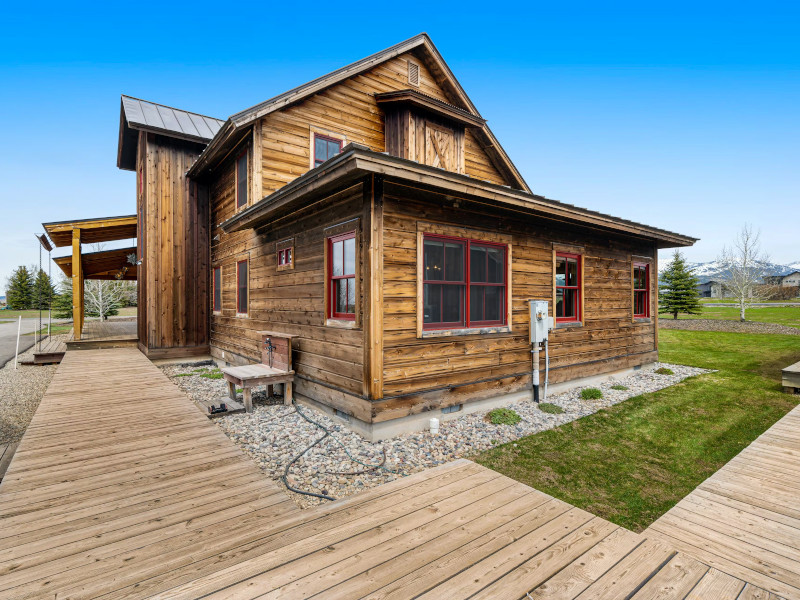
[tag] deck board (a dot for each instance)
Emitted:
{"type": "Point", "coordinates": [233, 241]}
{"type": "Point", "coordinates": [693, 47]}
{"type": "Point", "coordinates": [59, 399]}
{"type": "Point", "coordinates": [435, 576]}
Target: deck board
{"type": "Point", "coordinates": [104, 500]}
{"type": "Point", "coordinates": [745, 519]}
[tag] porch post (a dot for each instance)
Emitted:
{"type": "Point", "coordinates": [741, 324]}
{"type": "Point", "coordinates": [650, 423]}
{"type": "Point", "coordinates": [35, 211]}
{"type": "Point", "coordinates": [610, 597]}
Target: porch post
{"type": "Point", "coordinates": [77, 284]}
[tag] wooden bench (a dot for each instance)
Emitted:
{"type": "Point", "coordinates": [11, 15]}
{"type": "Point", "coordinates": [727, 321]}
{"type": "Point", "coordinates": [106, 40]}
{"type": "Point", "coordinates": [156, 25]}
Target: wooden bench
{"type": "Point", "coordinates": [790, 379]}
{"type": "Point", "coordinates": [275, 367]}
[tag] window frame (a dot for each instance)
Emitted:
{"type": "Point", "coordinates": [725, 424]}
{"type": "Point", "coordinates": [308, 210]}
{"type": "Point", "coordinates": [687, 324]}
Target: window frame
{"type": "Point", "coordinates": [468, 323]}
{"type": "Point", "coordinates": [243, 154]}
{"type": "Point", "coordinates": [216, 309]}
{"type": "Point", "coordinates": [324, 136]}
{"type": "Point", "coordinates": [645, 290]}
{"type": "Point", "coordinates": [330, 278]}
{"type": "Point", "coordinates": [282, 249]}
{"type": "Point", "coordinates": [246, 261]}
{"type": "Point", "coordinates": [578, 317]}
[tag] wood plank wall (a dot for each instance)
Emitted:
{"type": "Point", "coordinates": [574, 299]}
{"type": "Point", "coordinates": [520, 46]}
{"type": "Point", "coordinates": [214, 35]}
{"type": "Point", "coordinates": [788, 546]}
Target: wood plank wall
{"type": "Point", "coordinates": [329, 361]}
{"type": "Point", "coordinates": [349, 109]}
{"type": "Point", "coordinates": [173, 277]}
{"type": "Point", "coordinates": [501, 363]}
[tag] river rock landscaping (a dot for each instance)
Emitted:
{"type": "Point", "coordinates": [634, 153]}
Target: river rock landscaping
{"type": "Point", "coordinates": [343, 463]}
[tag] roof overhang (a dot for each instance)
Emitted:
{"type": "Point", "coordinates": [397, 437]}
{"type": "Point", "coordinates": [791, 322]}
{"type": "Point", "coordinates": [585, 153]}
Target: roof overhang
{"type": "Point", "coordinates": [431, 105]}
{"type": "Point", "coordinates": [107, 264]}
{"type": "Point", "coordinates": [141, 115]}
{"type": "Point", "coordinates": [356, 161]}
{"type": "Point", "coordinates": [422, 47]}
{"type": "Point", "coordinates": [93, 231]}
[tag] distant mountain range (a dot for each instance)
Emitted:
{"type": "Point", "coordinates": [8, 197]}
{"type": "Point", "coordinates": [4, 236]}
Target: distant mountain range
{"type": "Point", "coordinates": [711, 270]}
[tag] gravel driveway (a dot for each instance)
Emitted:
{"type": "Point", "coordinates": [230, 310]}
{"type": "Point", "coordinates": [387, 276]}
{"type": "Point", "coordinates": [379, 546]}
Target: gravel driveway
{"type": "Point", "coordinates": [722, 325]}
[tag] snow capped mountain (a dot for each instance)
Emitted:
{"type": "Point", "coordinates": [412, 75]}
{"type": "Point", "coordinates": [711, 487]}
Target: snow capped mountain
{"type": "Point", "coordinates": [713, 269]}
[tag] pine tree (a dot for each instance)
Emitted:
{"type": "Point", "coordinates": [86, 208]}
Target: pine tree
{"type": "Point", "coordinates": [43, 291]}
{"type": "Point", "coordinates": [678, 289]}
{"type": "Point", "coordinates": [19, 293]}
{"type": "Point", "coordinates": [62, 303]}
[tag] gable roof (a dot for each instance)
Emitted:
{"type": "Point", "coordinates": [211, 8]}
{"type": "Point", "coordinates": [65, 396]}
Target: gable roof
{"type": "Point", "coordinates": [424, 48]}
{"type": "Point", "coordinates": [141, 115]}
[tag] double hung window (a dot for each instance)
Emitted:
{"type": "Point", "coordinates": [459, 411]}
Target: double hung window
{"type": "Point", "coordinates": [325, 147]}
{"type": "Point", "coordinates": [342, 276]}
{"type": "Point", "coordinates": [568, 287]}
{"type": "Point", "coordinates": [641, 290]}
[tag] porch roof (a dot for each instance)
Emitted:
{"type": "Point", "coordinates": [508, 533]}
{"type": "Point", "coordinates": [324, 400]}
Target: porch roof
{"type": "Point", "coordinates": [355, 161]}
{"type": "Point", "coordinates": [106, 264]}
{"type": "Point", "coordinates": [104, 229]}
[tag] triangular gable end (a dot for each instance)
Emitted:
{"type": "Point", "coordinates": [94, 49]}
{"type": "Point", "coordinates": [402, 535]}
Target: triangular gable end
{"type": "Point", "coordinates": [422, 48]}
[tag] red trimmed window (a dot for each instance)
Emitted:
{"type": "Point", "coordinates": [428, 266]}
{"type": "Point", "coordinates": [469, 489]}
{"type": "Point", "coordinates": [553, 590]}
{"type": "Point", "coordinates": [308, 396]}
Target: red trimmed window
{"type": "Point", "coordinates": [241, 287]}
{"type": "Point", "coordinates": [325, 147]}
{"type": "Point", "coordinates": [641, 290]}
{"type": "Point", "coordinates": [217, 286]}
{"type": "Point", "coordinates": [464, 283]}
{"type": "Point", "coordinates": [568, 287]}
{"type": "Point", "coordinates": [342, 276]}
{"type": "Point", "coordinates": [285, 257]}
{"type": "Point", "coordinates": [241, 179]}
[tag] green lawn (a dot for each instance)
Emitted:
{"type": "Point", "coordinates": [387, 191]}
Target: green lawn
{"type": "Point", "coordinates": [785, 315]}
{"type": "Point", "coordinates": [55, 329]}
{"type": "Point", "coordinates": [26, 314]}
{"type": "Point", "coordinates": [631, 463]}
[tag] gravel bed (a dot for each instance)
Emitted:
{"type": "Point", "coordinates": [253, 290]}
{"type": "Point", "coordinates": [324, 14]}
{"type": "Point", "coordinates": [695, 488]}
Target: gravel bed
{"type": "Point", "coordinates": [20, 394]}
{"type": "Point", "coordinates": [722, 325]}
{"type": "Point", "coordinates": [273, 435]}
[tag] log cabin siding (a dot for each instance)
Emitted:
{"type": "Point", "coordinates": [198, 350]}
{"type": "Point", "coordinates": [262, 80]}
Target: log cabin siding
{"type": "Point", "coordinates": [420, 374]}
{"type": "Point", "coordinates": [328, 360]}
{"type": "Point", "coordinates": [349, 110]}
{"type": "Point", "coordinates": [173, 231]}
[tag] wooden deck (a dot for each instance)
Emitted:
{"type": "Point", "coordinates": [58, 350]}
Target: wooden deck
{"type": "Point", "coordinates": [51, 351]}
{"type": "Point", "coordinates": [102, 500]}
{"type": "Point", "coordinates": [113, 333]}
{"type": "Point", "coordinates": [745, 519]}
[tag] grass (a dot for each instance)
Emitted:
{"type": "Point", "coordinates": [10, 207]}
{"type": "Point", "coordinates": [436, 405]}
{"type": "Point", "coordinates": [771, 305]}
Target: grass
{"type": "Point", "coordinates": [619, 387]}
{"type": "Point", "coordinates": [783, 315]}
{"type": "Point", "coordinates": [553, 409]}
{"type": "Point", "coordinates": [208, 373]}
{"type": "Point", "coordinates": [634, 461]}
{"type": "Point", "coordinates": [664, 371]}
{"type": "Point", "coordinates": [25, 314]}
{"type": "Point", "coordinates": [591, 394]}
{"type": "Point", "coordinates": [55, 329]}
{"type": "Point", "coordinates": [504, 416]}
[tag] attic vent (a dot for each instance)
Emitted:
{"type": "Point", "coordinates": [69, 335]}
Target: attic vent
{"type": "Point", "coordinates": [413, 74]}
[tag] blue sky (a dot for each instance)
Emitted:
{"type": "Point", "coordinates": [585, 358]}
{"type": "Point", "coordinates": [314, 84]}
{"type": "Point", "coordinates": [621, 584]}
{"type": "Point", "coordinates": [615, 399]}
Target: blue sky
{"type": "Point", "coordinates": [683, 116]}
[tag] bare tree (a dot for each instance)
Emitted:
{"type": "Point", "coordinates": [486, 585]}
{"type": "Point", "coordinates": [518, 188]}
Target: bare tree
{"type": "Point", "coordinates": [743, 265]}
{"type": "Point", "coordinates": [102, 297]}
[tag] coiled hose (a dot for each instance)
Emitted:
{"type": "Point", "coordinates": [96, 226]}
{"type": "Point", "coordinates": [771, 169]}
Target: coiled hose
{"type": "Point", "coordinates": [327, 433]}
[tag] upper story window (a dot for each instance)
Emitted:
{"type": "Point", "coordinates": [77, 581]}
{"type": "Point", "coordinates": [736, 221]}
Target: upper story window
{"type": "Point", "coordinates": [242, 288]}
{"type": "Point", "coordinates": [325, 147]}
{"type": "Point", "coordinates": [464, 283]}
{"type": "Point", "coordinates": [285, 257]}
{"type": "Point", "coordinates": [568, 287]}
{"type": "Point", "coordinates": [342, 276]}
{"type": "Point", "coordinates": [241, 180]}
{"type": "Point", "coordinates": [641, 290]}
{"type": "Point", "coordinates": [217, 289]}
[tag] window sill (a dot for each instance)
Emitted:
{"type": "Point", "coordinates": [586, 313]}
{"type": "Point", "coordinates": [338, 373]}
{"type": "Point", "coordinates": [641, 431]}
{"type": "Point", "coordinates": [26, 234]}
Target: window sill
{"type": "Point", "coordinates": [242, 315]}
{"type": "Point", "coordinates": [568, 324]}
{"type": "Point", "coordinates": [341, 323]}
{"type": "Point", "coordinates": [642, 320]}
{"type": "Point", "coordinates": [432, 333]}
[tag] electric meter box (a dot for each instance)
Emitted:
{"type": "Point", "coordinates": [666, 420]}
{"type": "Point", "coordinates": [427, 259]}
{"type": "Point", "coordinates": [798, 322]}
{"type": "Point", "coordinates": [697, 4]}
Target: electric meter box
{"type": "Point", "coordinates": [541, 324]}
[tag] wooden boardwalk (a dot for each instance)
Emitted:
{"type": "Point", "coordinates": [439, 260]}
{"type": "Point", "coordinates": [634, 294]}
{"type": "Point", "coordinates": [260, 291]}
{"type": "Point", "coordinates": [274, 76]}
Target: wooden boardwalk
{"type": "Point", "coordinates": [745, 519]}
{"type": "Point", "coordinates": [103, 500]}
{"type": "Point", "coordinates": [96, 334]}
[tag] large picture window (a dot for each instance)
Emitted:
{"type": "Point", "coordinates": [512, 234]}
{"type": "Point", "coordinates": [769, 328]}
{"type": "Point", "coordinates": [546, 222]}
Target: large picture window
{"type": "Point", "coordinates": [641, 290]}
{"type": "Point", "coordinates": [217, 285]}
{"type": "Point", "coordinates": [464, 283]}
{"type": "Point", "coordinates": [568, 287]}
{"type": "Point", "coordinates": [241, 180]}
{"type": "Point", "coordinates": [241, 287]}
{"type": "Point", "coordinates": [342, 276]}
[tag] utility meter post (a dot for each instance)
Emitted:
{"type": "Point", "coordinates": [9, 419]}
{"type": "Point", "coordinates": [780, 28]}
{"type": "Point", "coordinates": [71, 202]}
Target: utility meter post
{"type": "Point", "coordinates": [540, 325]}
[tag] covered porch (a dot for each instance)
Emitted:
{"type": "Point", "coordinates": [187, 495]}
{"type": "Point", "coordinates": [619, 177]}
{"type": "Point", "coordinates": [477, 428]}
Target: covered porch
{"type": "Point", "coordinates": [118, 264]}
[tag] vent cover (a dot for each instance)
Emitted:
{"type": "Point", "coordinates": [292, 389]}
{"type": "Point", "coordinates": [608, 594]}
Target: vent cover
{"type": "Point", "coordinates": [413, 74]}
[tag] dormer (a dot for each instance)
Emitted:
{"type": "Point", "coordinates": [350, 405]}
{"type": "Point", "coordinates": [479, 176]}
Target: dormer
{"type": "Point", "coordinates": [425, 129]}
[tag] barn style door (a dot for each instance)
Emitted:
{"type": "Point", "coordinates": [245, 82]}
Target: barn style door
{"type": "Point", "coordinates": [439, 147]}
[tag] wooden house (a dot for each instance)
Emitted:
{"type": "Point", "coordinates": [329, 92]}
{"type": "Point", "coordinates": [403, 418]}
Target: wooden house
{"type": "Point", "coordinates": [373, 213]}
